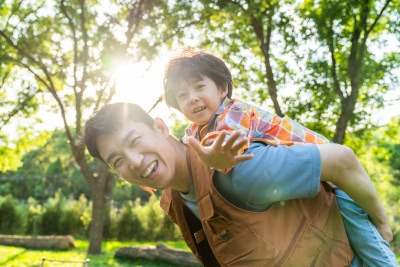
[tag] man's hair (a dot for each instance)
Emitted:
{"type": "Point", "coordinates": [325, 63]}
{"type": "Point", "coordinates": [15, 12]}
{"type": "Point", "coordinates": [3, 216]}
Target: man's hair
{"type": "Point", "coordinates": [110, 119]}
{"type": "Point", "coordinates": [191, 65]}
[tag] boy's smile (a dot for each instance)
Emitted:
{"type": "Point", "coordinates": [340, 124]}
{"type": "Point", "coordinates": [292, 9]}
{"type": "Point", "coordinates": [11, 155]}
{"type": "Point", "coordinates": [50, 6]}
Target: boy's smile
{"type": "Point", "coordinates": [199, 99]}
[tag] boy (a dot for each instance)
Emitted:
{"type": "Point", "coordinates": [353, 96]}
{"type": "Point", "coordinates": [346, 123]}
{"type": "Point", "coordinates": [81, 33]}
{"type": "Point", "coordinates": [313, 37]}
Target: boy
{"type": "Point", "coordinates": [200, 86]}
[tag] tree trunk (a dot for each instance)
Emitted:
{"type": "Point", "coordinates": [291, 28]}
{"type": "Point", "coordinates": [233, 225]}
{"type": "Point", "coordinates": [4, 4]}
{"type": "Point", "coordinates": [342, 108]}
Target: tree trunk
{"type": "Point", "coordinates": [348, 106]}
{"type": "Point", "coordinates": [265, 42]}
{"type": "Point", "coordinates": [159, 252]}
{"type": "Point", "coordinates": [98, 187]}
{"type": "Point", "coordinates": [108, 190]}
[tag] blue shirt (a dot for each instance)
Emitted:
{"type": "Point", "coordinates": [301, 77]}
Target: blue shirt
{"type": "Point", "coordinates": [274, 174]}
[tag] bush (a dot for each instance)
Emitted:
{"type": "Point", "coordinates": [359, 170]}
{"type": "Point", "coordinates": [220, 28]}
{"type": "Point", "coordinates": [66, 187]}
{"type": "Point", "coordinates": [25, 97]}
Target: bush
{"type": "Point", "coordinates": [133, 221]}
{"type": "Point", "coordinates": [153, 220]}
{"type": "Point", "coordinates": [71, 219]}
{"type": "Point", "coordinates": [12, 216]}
{"type": "Point", "coordinates": [142, 222]}
{"type": "Point", "coordinates": [52, 213]}
{"type": "Point", "coordinates": [33, 217]}
{"type": "Point", "coordinates": [128, 226]}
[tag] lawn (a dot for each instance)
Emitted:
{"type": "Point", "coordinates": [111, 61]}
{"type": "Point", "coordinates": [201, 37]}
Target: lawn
{"type": "Point", "coordinates": [19, 257]}
{"type": "Point", "coordinates": [23, 257]}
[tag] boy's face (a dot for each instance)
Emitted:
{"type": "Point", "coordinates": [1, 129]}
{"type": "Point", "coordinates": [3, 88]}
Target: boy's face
{"type": "Point", "coordinates": [199, 99]}
{"type": "Point", "coordinates": [139, 154]}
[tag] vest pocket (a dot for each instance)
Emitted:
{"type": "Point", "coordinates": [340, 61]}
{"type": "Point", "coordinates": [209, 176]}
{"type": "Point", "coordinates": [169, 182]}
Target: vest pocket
{"type": "Point", "coordinates": [234, 243]}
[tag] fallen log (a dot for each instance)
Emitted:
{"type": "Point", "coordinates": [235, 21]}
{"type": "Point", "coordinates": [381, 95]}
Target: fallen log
{"type": "Point", "coordinates": [159, 252]}
{"type": "Point", "coordinates": [41, 242]}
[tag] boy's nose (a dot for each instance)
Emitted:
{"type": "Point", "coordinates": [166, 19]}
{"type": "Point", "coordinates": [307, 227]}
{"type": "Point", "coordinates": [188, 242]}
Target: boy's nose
{"type": "Point", "coordinates": [193, 98]}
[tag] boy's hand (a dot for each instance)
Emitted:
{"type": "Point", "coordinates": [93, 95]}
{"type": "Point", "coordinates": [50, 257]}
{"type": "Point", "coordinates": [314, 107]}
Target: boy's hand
{"type": "Point", "coordinates": [221, 155]}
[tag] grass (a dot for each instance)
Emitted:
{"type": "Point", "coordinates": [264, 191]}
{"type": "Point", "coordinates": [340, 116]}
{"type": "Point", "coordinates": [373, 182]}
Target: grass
{"type": "Point", "coordinates": [24, 257]}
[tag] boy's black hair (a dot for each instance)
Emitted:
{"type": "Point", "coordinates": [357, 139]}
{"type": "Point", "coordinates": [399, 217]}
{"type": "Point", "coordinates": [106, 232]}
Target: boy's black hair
{"type": "Point", "coordinates": [110, 119]}
{"type": "Point", "coordinates": [191, 65]}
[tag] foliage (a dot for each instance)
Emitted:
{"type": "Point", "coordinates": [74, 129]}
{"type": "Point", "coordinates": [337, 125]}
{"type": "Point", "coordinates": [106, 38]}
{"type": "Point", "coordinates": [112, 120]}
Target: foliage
{"type": "Point", "coordinates": [377, 153]}
{"type": "Point", "coordinates": [324, 63]}
{"type": "Point", "coordinates": [178, 129]}
{"type": "Point", "coordinates": [59, 216]}
{"type": "Point", "coordinates": [13, 149]}
{"type": "Point", "coordinates": [347, 74]}
{"type": "Point", "coordinates": [45, 169]}
{"type": "Point", "coordinates": [154, 223]}
{"type": "Point", "coordinates": [388, 149]}
{"type": "Point", "coordinates": [11, 216]}
{"type": "Point", "coordinates": [52, 213]}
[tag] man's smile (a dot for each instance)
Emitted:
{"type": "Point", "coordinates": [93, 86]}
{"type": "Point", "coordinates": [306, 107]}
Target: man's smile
{"type": "Point", "coordinates": [151, 169]}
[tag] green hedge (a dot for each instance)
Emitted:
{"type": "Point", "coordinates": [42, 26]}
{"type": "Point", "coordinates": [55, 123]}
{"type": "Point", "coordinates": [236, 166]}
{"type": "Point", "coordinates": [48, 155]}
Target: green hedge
{"type": "Point", "coordinates": [59, 216]}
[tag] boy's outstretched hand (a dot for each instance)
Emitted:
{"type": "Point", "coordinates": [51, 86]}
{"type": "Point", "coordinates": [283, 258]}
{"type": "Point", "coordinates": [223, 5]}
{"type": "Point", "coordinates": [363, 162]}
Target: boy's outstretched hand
{"type": "Point", "coordinates": [221, 155]}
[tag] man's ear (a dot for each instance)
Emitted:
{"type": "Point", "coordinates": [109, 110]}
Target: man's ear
{"type": "Point", "coordinates": [160, 125]}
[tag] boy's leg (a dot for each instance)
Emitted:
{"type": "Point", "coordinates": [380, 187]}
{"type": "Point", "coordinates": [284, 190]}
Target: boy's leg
{"type": "Point", "coordinates": [365, 240]}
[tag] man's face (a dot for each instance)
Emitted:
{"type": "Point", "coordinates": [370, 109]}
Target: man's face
{"type": "Point", "coordinates": [139, 154]}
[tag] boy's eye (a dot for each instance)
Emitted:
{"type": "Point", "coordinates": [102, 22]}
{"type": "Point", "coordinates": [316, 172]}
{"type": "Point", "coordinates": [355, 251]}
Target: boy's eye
{"type": "Point", "coordinates": [181, 96]}
{"type": "Point", "coordinates": [199, 86]}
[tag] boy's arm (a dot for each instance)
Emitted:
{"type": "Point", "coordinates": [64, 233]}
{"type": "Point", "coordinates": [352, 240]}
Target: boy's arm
{"type": "Point", "coordinates": [221, 155]}
{"type": "Point", "coordinates": [340, 166]}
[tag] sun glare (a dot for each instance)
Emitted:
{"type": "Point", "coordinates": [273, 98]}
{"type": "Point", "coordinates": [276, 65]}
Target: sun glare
{"type": "Point", "coordinates": [138, 83]}
{"type": "Point", "coordinates": [141, 83]}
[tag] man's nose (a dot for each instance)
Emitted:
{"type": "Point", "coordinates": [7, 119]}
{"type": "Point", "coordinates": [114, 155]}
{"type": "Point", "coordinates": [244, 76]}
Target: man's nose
{"type": "Point", "coordinates": [135, 160]}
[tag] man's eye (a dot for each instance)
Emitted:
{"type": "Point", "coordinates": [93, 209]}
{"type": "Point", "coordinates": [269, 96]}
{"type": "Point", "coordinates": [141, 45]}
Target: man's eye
{"type": "Point", "coordinates": [117, 163]}
{"type": "Point", "coordinates": [134, 140]}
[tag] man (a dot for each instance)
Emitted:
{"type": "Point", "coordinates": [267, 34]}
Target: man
{"type": "Point", "coordinates": [221, 224]}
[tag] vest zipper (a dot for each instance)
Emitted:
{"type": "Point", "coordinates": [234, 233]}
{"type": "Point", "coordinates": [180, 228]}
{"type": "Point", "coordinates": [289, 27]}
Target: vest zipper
{"type": "Point", "coordinates": [290, 248]}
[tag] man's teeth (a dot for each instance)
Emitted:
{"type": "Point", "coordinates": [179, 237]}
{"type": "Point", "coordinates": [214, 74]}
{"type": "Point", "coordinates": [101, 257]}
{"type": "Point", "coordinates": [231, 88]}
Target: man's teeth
{"type": "Point", "coordinates": [150, 169]}
{"type": "Point", "coordinates": [199, 109]}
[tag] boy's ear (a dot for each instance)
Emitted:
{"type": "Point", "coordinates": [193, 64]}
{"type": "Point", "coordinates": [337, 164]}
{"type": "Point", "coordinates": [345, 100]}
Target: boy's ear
{"type": "Point", "coordinates": [224, 90]}
{"type": "Point", "coordinates": [159, 124]}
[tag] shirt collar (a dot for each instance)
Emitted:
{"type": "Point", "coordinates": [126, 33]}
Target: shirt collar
{"type": "Point", "coordinates": [226, 103]}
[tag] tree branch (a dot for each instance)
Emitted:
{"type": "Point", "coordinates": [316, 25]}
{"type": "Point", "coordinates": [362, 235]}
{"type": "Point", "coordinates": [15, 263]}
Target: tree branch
{"type": "Point", "coordinates": [16, 109]}
{"type": "Point", "coordinates": [3, 81]}
{"type": "Point", "coordinates": [336, 83]}
{"type": "Point", "coordinates": [75, 40]}
{"type": "Point", "coordinates": [85, 58]}
{"type": "Point", "coordinates": [134, 18]}
{"type": "Point", "coordinates": [378, 17]}
{"type": "Point", "coordinates": [49, 86]}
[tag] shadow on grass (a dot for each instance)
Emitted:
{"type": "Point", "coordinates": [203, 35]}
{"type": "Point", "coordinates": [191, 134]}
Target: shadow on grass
{"type": "Point", "coordinates": [11, 258]}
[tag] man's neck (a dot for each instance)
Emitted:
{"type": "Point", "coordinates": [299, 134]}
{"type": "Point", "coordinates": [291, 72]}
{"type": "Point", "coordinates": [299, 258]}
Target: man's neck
{"type": "Point", "coordinates": [183, 179]}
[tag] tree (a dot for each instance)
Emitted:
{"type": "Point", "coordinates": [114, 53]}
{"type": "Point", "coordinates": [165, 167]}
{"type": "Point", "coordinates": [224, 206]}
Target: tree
{"type": "Point", "coordinates": [67, 50]}
{"type": "Point", "coordinates": [245, 33]}
{"type": "Point", "coordinates": [318, 57]}
{"type": "Point", "coordinates": [346, 72]}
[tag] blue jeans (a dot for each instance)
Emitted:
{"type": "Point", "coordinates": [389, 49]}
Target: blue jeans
{"type": "Point", "coordinates": [369, 247]}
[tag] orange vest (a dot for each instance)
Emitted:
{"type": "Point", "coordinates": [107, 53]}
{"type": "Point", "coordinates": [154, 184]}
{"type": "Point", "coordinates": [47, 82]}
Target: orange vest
{"type": "Point", "coordinates": [299, 232]}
